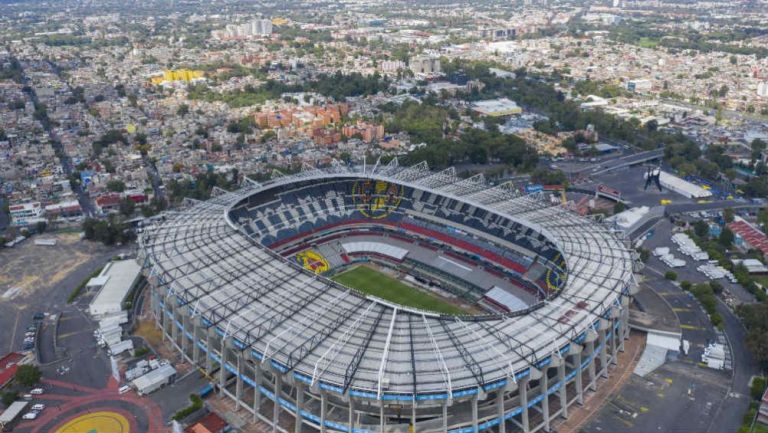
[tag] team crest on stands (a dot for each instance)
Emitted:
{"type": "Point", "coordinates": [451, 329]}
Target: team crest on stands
{"type": "Point", "coordinates": [376, 198]}
{"type": "Point", "coordinates": [313, 261]}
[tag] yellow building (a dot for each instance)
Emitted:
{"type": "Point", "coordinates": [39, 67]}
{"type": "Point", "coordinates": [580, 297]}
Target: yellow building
{"type": "Point", "coordinates": [171, 75]}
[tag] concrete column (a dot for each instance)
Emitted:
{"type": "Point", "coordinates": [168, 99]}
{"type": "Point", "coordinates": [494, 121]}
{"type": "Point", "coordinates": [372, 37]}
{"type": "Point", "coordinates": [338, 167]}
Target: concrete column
{"type": "Point", "coordinates": [445, 416]}
{"type": "Point", "coordinates": [276, 411]}
{"type": "Point", "coordinates": [474, 414]}
{"type": "Point", "coordinates": [545, 401]}
{"type": "Point", "coordinates": [500, 411]}
{"type": "Point", "coordinates": [623, 331]}
{"type": "Point", "coordinates": [614, 335]}
{"type": "Point", "coordinates": [351, 420]}
{"type": "Point", "coordinates": [523, 387]}
{"type": "Point", "coordinates": [257, 376]}
{"type": "Point", "coordinates": [208, 358]}
{"type": "Point", "coordinates": [154, 304]}
{"type": "Point", "coordinates": [591, 366]}
{"type": "Point", "coordinates": [413, 415]}
{"type": "Point", "coordinates": [195, 341]}
{"type": "Point", "coordinates": [164, 323]}
{"type": "Point", "coordinates": [174, 319]}
{"type": "Point", "coordinates": [579, 379]}
{"type": "Point", "coordinates": [222, 369]}
{"type": "Point", "coordinates": [603, 353]}
{"type": "Point", "coordinates": [563, 391]}
{"type": "Point", "coordinates": [381, 416]}
{"type": "Point", "coordinates": [184, 338]}
{"type": "Point", "coordinates": [299, 405]}
{"type": "Point", "coordinates": [323, 411]}
{"type": "Point", "coordinates": [239, 380]}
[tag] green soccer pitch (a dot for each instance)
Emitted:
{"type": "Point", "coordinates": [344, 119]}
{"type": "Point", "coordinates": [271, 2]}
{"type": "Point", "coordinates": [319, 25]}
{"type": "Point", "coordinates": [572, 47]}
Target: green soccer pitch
{"type": "Point", "coordinates": [373, 282]}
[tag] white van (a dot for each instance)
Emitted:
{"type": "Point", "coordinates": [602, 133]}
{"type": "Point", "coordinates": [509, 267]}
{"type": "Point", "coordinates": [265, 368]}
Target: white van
{"type": "Point", "coordinates": [123, 389]}
{"type": "Point", "coordinates": [37, 391]}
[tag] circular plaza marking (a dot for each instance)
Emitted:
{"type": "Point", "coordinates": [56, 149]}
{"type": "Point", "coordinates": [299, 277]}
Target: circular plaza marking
{"type": "Point", "coordinates": [97, 422]}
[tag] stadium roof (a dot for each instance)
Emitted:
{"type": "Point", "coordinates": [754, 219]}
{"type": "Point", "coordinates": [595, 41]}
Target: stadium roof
{"type": "Point", "coordinates": [333, 337]}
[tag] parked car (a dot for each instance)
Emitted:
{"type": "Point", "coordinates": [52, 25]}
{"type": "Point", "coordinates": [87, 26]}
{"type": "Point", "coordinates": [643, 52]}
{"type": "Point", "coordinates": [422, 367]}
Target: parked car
{"type": "Point", "coordinates": [123, 389]}
{"type": "Point", "coordinates": [37, 391]}
{"type": "Point", "coordinates": [38, 407]}
{"type": "Point", "coordinates": [30, 415]}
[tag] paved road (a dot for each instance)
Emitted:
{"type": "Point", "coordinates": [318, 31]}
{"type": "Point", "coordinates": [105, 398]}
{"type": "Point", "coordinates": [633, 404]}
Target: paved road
{"type": "Point", "coordinates": [744, 367]}
{"type": "Point", "coordinates": [66, 162]}
{"type": "Point", "coordinates": [698, 330]}
{"type": "Point", "coordinates": [5, 220]}
{"type": "Point", "coordinates": [154, 177]}
{"type": "Point", "coordinates": [627, 161]}
{"type": "Point", "coordinates": [715, 205]}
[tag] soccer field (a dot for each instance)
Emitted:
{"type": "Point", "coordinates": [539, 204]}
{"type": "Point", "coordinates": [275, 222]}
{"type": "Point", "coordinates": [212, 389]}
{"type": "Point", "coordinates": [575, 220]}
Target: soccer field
{"type": "Point", "coordinates": [376, 283]}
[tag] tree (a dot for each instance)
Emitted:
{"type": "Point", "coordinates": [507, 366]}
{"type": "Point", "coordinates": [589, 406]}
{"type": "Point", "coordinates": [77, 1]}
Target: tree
{"type": "Point", "coordinates": [115, 185]}
{"type": "Point", "coordinates": [141, 138]}
{"type": "Point", "coordinates": [28, 375]}
{"type": "Point", "coordinates": [701, 229]}
{"type": "Point", "coordinates": [670, 275]}
{"type": "Point", "coordinates": [726, 237]}
{"type": "Point", "coordinates": [127, 206]}
{"type": "Point", "coordinates": [686, 285]}
{"type": "Point", "coordinates": [9, 397]}
{"type": "Point", "coordinates": [645, 254]}
{"type": "Point", "coordinates": [183, 110]}
{"type": "Point", "coordinates": [728, 215]}
{"type": "Point", "coordinates": [619, 207]}
{"type": "Point", "coordinates": [40, 227]}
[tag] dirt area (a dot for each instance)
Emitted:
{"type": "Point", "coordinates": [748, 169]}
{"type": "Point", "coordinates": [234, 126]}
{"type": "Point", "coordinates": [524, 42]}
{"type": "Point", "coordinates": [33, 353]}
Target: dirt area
{"type": "Point", "coordinates": [27, 268]}
{"type": "Point", "coordinates": [147, 330]}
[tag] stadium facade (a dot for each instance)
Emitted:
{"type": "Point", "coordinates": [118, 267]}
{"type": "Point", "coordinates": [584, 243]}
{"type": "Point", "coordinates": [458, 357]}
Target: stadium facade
{"type": "Point", "coordinates": [301, 352]}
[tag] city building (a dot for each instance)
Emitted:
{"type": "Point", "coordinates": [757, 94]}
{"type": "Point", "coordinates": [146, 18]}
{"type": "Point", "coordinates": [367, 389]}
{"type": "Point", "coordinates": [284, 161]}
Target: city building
{"type": "Point", "coordinates": [639, 86]}
{"type": "Point", "coordinates": [426, 65]}
{"type": "Point", "coordinates": [114, 283]}
{"type": "Point", "coordinates": [26, 213]}
{"type": "Point", "coordinates": [391, 66]}
{"type": "Point", "coordinates": [210, 423]}
{"type": "Point", "coordinates": [8, 366]}
{"type": "Point", "coordinates": [368, 132]}
{"type": "Point", "coordinates": [257, 28]}
{"type": "Point", "coordinates": [762, 89]}
{"type": "Point", "coordinates": [497, 107]}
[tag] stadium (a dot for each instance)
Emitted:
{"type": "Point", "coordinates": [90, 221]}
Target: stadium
{"type": "Point", "coordinates": [385, 298]}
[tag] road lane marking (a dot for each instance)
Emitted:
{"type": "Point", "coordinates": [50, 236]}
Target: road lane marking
{"type": "Point", "coordinates": [692, 327]}
{"type": "Point", "coordinates": [15, 327]}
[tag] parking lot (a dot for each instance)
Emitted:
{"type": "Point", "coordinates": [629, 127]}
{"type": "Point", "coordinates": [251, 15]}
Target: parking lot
{"type": "Point", "coordinates": [674, 398]}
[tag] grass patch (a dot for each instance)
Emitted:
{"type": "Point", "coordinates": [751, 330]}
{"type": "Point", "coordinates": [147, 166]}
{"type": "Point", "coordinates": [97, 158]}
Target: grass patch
{"type": "Point", "coordinates": [373, 282]}
{"type": "Point", "coordinates": [79, 289]}
{"type": "Point", "coordinates": [646, 42]}
{"type": "Point", "coordinates": [196, 404]}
